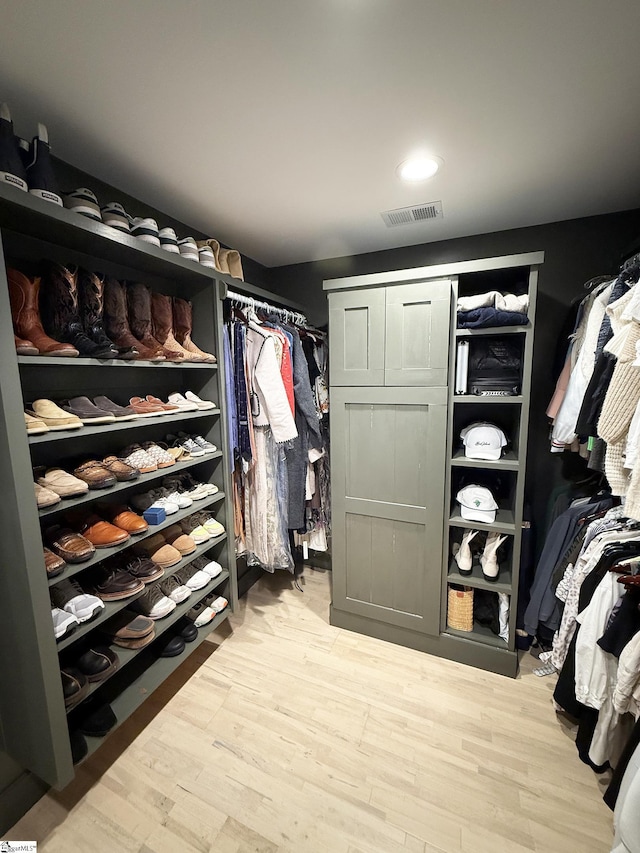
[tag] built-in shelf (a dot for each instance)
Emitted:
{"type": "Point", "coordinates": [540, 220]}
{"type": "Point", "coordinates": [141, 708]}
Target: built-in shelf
{"type": "Point", "coordinates": [504, 523]}
{"type": "Point", "coordinates": [102, 554]}
{"type": "Point", "coordinates": [477, 580]}
{"type": "Point", "coordinates": [478, 398]}
{"type": "Point", "coordinates": [51, 361]}
{"type": "Point", "coordinates": [493, 331]}
{"type": "Point", "coordinates": [150, 677]}
{"type": "Point", "coordinates": [112, 607]}
{"type": "Point", "coordinates": [480, 634]}
{"type": "Point", "coordinates": [125, 656]}
{"type": "Point", "coordinates": [67, 504]}
{"type": "Point", "coordinates": [103, 429]}
{"type": "Point", "coordinates": [508, 462]}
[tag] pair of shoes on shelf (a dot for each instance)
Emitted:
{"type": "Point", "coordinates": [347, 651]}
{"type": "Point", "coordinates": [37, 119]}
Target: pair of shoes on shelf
{"type": "Point", "coordinates": [45, 415]}
{"type": "Point", "coordinates": [54, 483]}
{"type": "Point", "coordinates": [185, 486]}
{"type": "Point", "coordinates": [226, 261]}
{"type": "Point", "coordinates": [27, 166]}
{"type": "Point", "coordinates": [488, 559]}
{"type": "Point", "coordinates": [88, 531]}
{"type": "Point", "coordinates": [147, 457]}
{"type": "Point", "coordinates": [194, 445]}
{"type": "Point", "coordinates": [206, 610]}
{"type": "Point", "coordinates": [190, 402]}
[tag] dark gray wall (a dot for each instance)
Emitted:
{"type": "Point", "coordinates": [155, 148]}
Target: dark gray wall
{"type": "Point", "coordinates": [575, 251]}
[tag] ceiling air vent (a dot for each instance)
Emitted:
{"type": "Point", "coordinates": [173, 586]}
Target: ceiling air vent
{"type": "Point", "coordinates": [409, 215]}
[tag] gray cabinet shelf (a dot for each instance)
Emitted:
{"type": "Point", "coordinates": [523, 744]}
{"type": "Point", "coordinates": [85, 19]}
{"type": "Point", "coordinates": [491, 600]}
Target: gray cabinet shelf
{"type": "Point", "coordinates": [144, 480]}
{"type": "Point", "coordinates": [25, 361]}
{"type": "Point", "coordinates": [508, 462]}
{"type": "Point", "coordinates": [104, 429]}
{"type": "Point", "coordinates": [103, 554]}
{"type": "Point", "coordinates": [480, 634]}
{"type": "Point", "coordinates": [151, 676]}
{"type": "Point", "coordinates": [476, 398]}
{"type": "Point", "coordinates": [477, 580]}
{"type": "Point", "coordinates": [493, 331]}
{"type": "Point", "coordinates": [125, 656]}
{"type": "Point", "coordinates": [504, 523]}
{"type": "Point", "coordinates": [32, 713]}
{"type": "Point", "coordinates": [113, 607]}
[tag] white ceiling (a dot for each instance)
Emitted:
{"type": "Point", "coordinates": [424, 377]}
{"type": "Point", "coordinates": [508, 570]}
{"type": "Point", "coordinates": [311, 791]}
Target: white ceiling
{"type": "Point", "coordinates": [277, 125]}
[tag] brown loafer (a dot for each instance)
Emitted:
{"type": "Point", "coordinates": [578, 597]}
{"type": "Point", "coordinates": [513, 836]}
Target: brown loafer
{"type": "Point", "coordinates": [101, 533]}
{"type": "Point", "coordinates": [53, 563]}
{"type": "Point", "coordinates": [71, 546]}
{"type": "Point", "coordinates": [120, 469]}
{"type": "Point", "coordinates": [125, 519]}
{"type": "Point", "coordinates": [166, 407]}
{"type": "Point", "coordinates": [144, 409]}
{"type": "Point", "coordinates": [95, 475]}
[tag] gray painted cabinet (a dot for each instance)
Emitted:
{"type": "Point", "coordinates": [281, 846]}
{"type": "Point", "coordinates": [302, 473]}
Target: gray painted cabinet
{"type": "Point", "coordinates": [389, 361]}
{"type": "Point", "coordinates": [396, 457]}
{"type": "Point", "coordinates": [388, 458]}
{"type": "Point", "coordinates": [391, 335]}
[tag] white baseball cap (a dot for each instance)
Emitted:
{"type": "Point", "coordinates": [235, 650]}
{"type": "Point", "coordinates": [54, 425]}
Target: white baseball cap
{"type": "Point", "coordinates": [483, 440]}
{"type": "Point", "coordinates": [477, 504]}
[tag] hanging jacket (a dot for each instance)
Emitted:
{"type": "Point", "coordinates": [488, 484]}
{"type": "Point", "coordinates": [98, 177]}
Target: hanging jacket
{"type": "Point", "coordinates": [268, 399]}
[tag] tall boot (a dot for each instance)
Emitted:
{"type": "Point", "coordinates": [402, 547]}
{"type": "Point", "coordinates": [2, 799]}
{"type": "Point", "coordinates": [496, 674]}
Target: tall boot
{"type": "Point", "coordinates": [162, 315]}
{"type": "Point", "coordinates": [117, 324]}
{"type": "Point", "coordinates": [463, 556]}
{"type": "Point", "coordinates": [183, 325]}
{"type": "Point", "coordinates": [24, 347]}
{"type": "Point", "coordinates": [24, 295]}
{"type": "Point", "coordinates": [139, 313]}
{"type": "Point", "coordinates": [61, 312]}
{"type": "Point", "coordinates": [91, 302]}
{"type": "Point", "coordinates": [489, 557]}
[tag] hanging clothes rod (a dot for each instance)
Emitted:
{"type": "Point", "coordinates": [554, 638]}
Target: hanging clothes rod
{"type": "Point", "coordinates": [288, 313]}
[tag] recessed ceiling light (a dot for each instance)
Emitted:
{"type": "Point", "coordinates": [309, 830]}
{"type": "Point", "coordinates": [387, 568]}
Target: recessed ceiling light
{"type": "Point", "coordinates": [419, 168]}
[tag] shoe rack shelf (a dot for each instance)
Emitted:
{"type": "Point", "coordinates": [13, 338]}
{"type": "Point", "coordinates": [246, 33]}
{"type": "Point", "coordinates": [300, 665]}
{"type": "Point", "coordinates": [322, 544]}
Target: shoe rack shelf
{"type": "Point", "coordinates": [113, 607]}
{"type": "Point", "coordinates": [130, 687]}
{"type": "Point", "coordinates": [143, 483]}
{"type": "Point", "coordinates": [125, 656]}
{"type": "Point", "coordinates": [25, 361]}
{"type": "Point", "coordinates": [103, 554]}
{"type": "Point", "coordinates": [102, 429]}
{"type": "Point", "coordinates": [33, 719]}
{"type": "Point", "coordinates": [480, 646]}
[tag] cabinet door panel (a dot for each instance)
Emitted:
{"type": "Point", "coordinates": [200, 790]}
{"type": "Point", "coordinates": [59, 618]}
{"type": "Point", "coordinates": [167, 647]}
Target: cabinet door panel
{"type": "Point", "coordinates": [388, 458]}
{"type": "Point", "coordinates": [417, 333]}
{"type": "Point", "coordinates": [356, 327]}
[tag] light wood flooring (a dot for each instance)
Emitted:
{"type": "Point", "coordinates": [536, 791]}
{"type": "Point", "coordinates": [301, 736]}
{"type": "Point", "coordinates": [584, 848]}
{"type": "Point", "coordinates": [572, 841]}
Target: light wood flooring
{"type": "Point", "coordinates": [291, 735]}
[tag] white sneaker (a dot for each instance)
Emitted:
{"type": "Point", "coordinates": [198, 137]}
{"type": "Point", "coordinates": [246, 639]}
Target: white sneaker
{"type": "Point", "coordinates": [213, 527]}
{"type": "Point", "coordinates": [188, 249]}
{"type": "Point", "coordinates": [62, 622]}
{"type": "Point", "coordinates": [183, 501]}
{"type": "Point", "coordinates": [168, 240]}
{"type": "Point", "coordinates": [219, 604]}
{"type": "Point", "coordinates": [168, 505]}
{"type": "Point", "coordinates": [175, 590]}
{"type": "Point", "coordinates": [203, 444]}
{"type": "Point", "coordinates": [205, 616]}
{"type": "Point", "coordinates": [203, 405]}
{"type": "Point", "coordinates": [69, 596]}
{"type": "Point", "coordinates": [199, 534]}
{"type": "Point", "coordinates": [197, 580]}
{"type": "Point", "coordinates": [145, 229]}
{"type": "Point", "coordinates": [211, 567]}
{"type": "Point", "coordinates": [200, 491]}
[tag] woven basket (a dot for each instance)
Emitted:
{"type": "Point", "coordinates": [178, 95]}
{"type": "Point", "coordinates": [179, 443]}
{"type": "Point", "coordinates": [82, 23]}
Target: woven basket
{"type": "Point", "coordinates": [460, 609]}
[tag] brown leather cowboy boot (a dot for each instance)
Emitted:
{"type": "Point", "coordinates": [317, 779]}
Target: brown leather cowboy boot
{"type": "Point", "coordinates": [139, 313]}
{"type": "Point", "coordinates": [24, 347]}
{"type": "Point", "coordinates": [25, 312]}
{"type": "Point", "coordinates": [117, 323]}
{"type": "Point", "coordinates": [183, 325]}
{"type": "Point", "coordinates": [162, 316]}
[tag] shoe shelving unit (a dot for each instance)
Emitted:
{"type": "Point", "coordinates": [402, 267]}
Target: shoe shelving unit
{"type": "Point", "coordinates": [481, 646]}
{"type": "Point", "coordinates": [34, 727]}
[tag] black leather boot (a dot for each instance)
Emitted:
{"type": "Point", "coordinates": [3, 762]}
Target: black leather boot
{"type": "Point", "coordinates": [60, 311]}
{"type": "Point", "coordinates": [91, 302]}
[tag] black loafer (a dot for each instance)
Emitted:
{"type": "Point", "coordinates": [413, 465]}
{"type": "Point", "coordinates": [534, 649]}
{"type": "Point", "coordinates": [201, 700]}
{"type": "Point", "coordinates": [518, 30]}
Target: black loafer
{"type": "Point", "coordinates": [75, 687]}
{"type": "Point", "coordinates": [188, 631]}
{"type": "Point", "coordinates": [98, 722]}
{"type": "Point", "coordinates": [98, 663]}
{"type": "Point", "coordinates": [174, 647]}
